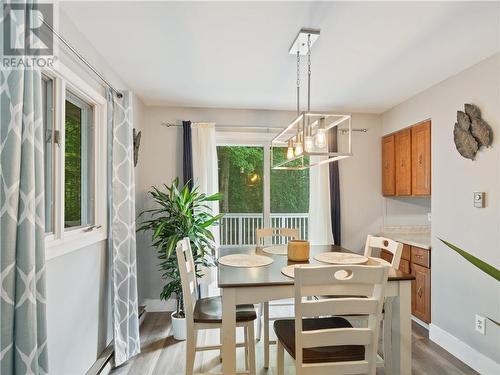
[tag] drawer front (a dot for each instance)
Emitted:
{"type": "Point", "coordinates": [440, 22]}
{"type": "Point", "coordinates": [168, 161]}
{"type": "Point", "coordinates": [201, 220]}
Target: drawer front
{"type": "Point", "coordinates": [404, 266]}
{"type": "Point", "coordinates": [420, 256]}
{"type": "Point", "coordinates": [406, 254]}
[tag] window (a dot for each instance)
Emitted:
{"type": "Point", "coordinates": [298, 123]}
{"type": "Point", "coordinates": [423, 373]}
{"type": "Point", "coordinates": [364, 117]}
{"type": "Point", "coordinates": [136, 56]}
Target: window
{"type": "Point", "coordinates": [78, 163]}
{"type": "Point", "coordinates": [48, 131]}
{"type": "Point", "coordinates": [256, 197]}
{"type": "Point", "coordinates": [241, 182]}
{"type": "Point", "coordinates": [75, 162]}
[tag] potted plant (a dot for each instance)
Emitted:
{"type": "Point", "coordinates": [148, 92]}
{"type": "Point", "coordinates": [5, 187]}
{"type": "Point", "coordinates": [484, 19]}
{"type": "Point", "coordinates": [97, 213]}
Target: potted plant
{"type": "Point", "coordinates": [180, 212]}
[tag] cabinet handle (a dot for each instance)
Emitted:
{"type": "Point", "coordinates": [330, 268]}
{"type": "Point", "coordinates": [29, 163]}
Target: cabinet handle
{"type": "Point", "coordinates": [420, 159]}
{"type": "Point", "coordinates": [419, 292]}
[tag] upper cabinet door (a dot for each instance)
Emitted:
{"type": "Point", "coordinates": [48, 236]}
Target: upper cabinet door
{"type": "Point", "coordinates": [403, 162]}
{"type": "Point", "coordinates": [421, 159]}
{"type": "Point", "coordinates": [388, 167]}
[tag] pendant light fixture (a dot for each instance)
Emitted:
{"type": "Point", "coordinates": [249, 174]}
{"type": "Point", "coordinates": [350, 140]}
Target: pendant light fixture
{"type": "Point", "coordinates": [307, 134]}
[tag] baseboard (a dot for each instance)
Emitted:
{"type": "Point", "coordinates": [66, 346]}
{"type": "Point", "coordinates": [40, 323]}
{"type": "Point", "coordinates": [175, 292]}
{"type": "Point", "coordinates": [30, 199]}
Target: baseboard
{"type": "Point", "coordinates": [470, 356]}
{"type": "Point", "coordinates": [420, 322]}
{"type": "Point", "coordinates": [158, 305]}
{"type": "Point", "coordinates": [104, 363]}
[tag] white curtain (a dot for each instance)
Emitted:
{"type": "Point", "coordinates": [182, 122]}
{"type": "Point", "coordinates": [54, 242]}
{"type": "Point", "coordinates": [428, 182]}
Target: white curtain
{"type": "Point", "coordinates": [320, 221]}
{"type": "Point", "coordinates": [206, 177]}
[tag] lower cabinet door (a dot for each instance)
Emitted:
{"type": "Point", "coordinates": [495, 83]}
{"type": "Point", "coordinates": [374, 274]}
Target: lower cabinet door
{"type": "Point", "coordinates": [421, 293]}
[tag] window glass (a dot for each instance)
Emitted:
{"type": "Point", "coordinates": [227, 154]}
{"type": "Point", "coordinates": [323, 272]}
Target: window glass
{"type": "Point", "coordinates": [78, 167]}
{"type": "Point", "coordinates": [289, 194]}
{"type": "Point", "coordinates": [241, 182]}
{"type": "Point", "coordinates": [48, 131]}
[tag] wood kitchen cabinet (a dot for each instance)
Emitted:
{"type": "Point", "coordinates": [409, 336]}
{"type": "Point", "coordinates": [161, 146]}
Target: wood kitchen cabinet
{"type": "Point", "coordinates": [421, 159]}
{"type": "Point", "coordinates": [388, 168]}
{"type": "Point", "coordinates": [421, 293]}
{"type": "Point", "coordinates": [402, 153]}
{"type": "Point", "coordinates": [406, 162]}
{"type": "Point", "coordinates": [416, 261]}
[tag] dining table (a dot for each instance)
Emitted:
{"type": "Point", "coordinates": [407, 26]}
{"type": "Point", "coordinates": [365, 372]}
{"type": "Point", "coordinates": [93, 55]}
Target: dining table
{"type": "Point", "coordinates": [252, 285]}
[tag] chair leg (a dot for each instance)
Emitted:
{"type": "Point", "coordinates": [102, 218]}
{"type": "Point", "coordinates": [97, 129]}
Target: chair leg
{"type": "Point", "coordinates": [251, 349]}
{"type": "Point", "coordinates": [387, 338]}
{"type": "Point", "coordinates": [266, 334]}
{"type": "Point", "coordinates": [245, 331]}
{"type": "Point", "coordinates": [280, 358]}
{"type": "Point", "coordinates": [259, 321]}
{"type": "Point", "coordinates": [190, 350]}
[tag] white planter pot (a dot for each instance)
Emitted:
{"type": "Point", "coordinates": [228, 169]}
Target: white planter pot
{"type": "Point", "coordinates": [178, 327]}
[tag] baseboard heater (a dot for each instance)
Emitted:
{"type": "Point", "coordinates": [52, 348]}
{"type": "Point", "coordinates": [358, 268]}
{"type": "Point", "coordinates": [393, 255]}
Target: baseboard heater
{"type": "Point", "coordinates": [103, 363]}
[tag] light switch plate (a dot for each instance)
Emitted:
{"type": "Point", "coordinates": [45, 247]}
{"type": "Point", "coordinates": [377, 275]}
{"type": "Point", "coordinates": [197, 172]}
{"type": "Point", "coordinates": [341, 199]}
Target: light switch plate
{"type": "Point", "coordinates": [479, 199]}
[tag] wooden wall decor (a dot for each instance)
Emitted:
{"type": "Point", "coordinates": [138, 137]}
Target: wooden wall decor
{"type": "Point", "coordinates": [471, 132]}
{"type": "Point", "coordinates": [137, 143]}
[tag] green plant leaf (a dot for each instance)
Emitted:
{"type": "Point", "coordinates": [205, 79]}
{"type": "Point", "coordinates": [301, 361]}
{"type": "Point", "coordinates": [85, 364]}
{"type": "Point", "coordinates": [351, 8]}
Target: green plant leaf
{"type": "Point", "coordinates": [494, 321]}
{"type": "Point", "coordinates": [483, 266]}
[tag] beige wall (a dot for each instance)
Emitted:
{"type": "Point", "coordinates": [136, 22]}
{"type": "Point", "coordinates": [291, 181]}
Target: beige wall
{"type": "Point", "coordinates": [459, 290]}
{"type": "Point", "coordinates": [161, 160]}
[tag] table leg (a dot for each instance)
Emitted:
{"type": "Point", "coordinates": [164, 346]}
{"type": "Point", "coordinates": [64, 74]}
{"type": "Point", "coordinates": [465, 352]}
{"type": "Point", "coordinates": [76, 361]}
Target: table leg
{"type": "Point", "coordinates": [266, 334]}
{"type": "Point", "coordinates": [229, 331]}
{"type": "Point", "coordinates": [401, 329]}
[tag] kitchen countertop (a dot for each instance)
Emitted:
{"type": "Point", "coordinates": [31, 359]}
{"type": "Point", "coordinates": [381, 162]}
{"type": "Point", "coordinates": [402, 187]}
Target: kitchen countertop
{"type": "Point", "coordinates": [413, 236]}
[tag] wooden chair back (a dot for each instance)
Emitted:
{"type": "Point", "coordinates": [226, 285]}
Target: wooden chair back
{"type": "Point", "coordinates": [262, 233]}
{"type": "Point", "coordinates": [189, 281]}
{"type": "Point", "coordinates": [343, 282]}
{"type": "Point", "coordinates": [395, 248]}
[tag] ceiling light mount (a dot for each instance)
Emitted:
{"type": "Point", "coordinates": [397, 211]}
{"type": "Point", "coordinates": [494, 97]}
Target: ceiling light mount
{"type": "Point", "coordinates": [300, 42]}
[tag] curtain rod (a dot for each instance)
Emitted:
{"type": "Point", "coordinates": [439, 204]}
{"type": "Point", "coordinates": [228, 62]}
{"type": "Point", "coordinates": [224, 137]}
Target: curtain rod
{"type": "Point", "coordinates": [83, 59]}
{"type": "Point", "coordinates": [262, 129]}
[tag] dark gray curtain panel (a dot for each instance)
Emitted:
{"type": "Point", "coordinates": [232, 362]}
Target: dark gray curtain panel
{"type": "Point", "coordinates": [334, 188]}
{"type": "Point", "coordinates": [187, 157]}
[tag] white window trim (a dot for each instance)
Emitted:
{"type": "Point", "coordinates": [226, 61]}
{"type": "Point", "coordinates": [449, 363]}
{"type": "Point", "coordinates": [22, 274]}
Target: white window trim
{"type": "Point", "coordinates": [63, 241]}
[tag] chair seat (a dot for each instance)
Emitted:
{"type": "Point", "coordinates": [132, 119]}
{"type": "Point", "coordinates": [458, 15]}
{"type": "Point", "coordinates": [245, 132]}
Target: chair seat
{"type": "Point", "coordinates": [285, 331]}
{"type": "Point", "coordinates": [209, 310]}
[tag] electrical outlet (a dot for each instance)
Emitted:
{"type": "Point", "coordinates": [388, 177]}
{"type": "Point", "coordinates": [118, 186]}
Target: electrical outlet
{"type": "Point", "coordinates": [480, 324]}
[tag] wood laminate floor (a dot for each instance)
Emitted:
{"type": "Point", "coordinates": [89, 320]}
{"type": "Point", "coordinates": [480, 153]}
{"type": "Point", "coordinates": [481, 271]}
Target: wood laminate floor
{"type": "Point", "coordinates": [162, 354]}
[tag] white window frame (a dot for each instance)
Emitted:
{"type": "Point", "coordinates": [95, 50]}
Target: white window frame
{"type": "Point", "coordinates": [62, 241]}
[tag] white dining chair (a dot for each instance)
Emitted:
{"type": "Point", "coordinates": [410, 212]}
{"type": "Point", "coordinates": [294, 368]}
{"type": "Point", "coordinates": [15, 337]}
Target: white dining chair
{"type": "Point", "coordinates": [330, 344]}
{"type": "Point", "coordinates": [206, 313]}
{"type": "Point", "coordinates": [263, 318]}
{"type": "Point", "coordinates": [396, 249]}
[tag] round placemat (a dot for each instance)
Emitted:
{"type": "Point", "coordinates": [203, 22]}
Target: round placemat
{"type": "Point", "coordinates": [289, 270]}
{"type": "Point", "coordinates": [276, 249]}
{"type": "Point", "coordinates": [333, 257]}
{"type": "Point", "coordinates": [245, 260]}
{"type": "Point", "coordinates": [378, 262]}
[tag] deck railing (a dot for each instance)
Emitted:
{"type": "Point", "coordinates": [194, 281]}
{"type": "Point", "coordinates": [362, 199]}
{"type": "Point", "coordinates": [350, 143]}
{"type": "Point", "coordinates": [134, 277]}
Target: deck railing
{"type": "Point", "coordinates": [239, 229]}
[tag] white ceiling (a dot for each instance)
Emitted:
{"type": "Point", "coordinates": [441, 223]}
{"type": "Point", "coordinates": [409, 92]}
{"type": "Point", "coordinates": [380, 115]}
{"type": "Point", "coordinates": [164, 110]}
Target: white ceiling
{"type": "Point", "coordinates": [370, 55]}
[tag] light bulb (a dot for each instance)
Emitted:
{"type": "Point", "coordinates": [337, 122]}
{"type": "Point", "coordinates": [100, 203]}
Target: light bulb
{"type": "Point", "coordinates": [320, 138]}
{"type": "Point", "coordinates": [321, 134]}
{"type": "Point", "coordinates": [308, 143]}
{"type": "Point", "coordinates": [289, 151]}
{"type": "Point", "coordinates": [298, 146]}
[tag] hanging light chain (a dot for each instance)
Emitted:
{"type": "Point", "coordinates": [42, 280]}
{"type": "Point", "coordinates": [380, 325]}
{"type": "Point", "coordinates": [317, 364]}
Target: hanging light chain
{"type": "Point", "coordinates": [298, 81]}
{"type": "Point", "coordinates": [308, 72]}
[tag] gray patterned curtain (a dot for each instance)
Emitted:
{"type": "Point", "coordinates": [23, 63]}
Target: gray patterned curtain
{"type": "Point", "coordinates": [122, 229]}
{"type": "Point", "coordinates": [23, 342]}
